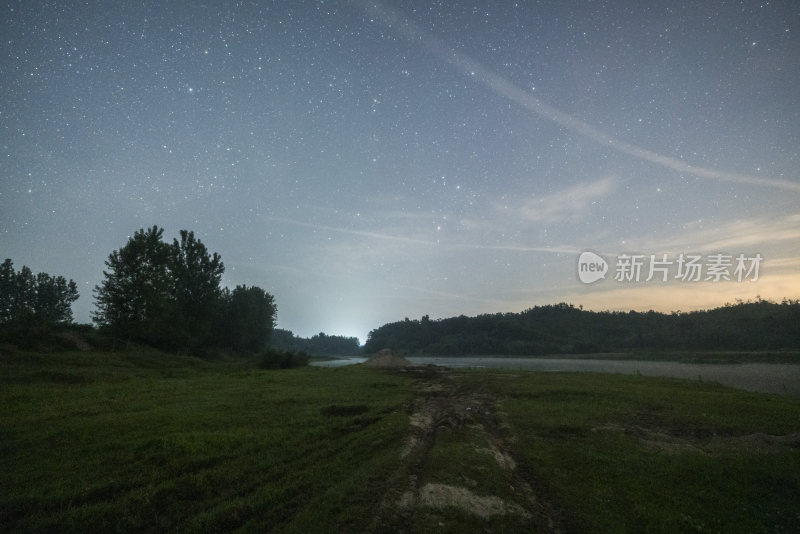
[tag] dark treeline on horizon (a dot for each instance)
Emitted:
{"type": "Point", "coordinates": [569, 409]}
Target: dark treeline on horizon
{"type": "Point", "coordinates": [28, 299]}
{"type": "Point", "coordinates": [164, 295]}
{"type": "Point", "coordinates": [564, 329]}
{"type": "Point", "coordinates": [319, 344]}
{"type": "Point", "coordinates": [168, 295]}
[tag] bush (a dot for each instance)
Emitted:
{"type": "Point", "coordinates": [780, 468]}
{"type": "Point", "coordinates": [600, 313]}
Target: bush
{"type": "Point", "coordinates": [278, 359]}
{"type": "Point", "coordinates": [51, 338]}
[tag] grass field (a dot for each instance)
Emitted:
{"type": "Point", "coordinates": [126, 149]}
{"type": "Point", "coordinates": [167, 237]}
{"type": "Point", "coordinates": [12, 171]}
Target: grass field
{"type": "Point", "coordinates": [146, 442]}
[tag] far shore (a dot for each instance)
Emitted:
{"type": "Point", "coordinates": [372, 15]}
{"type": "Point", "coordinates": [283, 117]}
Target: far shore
{"type": "Point", "coordinates": [689, 356]}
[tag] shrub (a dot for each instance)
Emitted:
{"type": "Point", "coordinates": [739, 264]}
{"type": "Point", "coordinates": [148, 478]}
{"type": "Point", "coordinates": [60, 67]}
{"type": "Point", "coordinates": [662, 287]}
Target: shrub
{"type": "Point", "coordinates": [278, 359]}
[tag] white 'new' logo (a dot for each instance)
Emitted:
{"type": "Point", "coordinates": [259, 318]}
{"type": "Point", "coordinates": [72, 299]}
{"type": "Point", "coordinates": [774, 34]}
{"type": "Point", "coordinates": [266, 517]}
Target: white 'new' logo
{"type": "Point", "coordinates": [591, 267]}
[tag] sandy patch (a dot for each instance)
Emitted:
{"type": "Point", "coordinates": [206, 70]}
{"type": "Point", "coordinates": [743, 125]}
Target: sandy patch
{"type": "Point", "coordinates": [388, 358]}
{"type": "Point", "coordinates": [443, 496]}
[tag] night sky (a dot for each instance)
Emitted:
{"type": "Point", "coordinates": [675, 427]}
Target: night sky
{"type": "Point", "coordinates": [367, 162]}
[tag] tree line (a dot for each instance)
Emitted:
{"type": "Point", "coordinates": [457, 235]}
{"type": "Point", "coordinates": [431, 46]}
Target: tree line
{"type": "Point", "coordinates": [165, 295]}
{"type": "Point", "coordinates": [564, 329]}
{"type": "Point", "coordinates": [27, 299]}
{"type": "Point", "coordinates": [168, 295]}
{"type": "Point", "coordinates": [319, 344]}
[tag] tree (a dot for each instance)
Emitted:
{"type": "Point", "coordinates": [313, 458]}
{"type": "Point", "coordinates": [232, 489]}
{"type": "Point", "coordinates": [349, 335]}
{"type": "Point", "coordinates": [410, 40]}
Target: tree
{"type": "Point", "coordinates": [195, 276]}
{"type": "Point", "coordinates": [24, 294]}
{"type": "Point", "coordinates": [18, 292]}
{"type": "Point", "coordinates": [134, 299]}
{"type": "Point", "coordinates": [250, 318]}
{"type": "Point", "coordinates": [169, 296]}
{"type": "Point", "coordinates": [7, 285]}
{"type": "Point", "coordinates": [54, 298]}
{"type": "Point", "coordinates": [39, 299]}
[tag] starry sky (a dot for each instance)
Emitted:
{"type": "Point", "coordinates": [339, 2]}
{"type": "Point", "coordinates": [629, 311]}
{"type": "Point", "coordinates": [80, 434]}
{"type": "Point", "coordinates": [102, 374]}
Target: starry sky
{"type": "Point", "coordinates": [366, 161]}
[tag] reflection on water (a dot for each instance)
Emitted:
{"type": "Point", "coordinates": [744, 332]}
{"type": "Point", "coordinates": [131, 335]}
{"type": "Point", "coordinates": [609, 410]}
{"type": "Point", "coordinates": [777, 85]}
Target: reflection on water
{"type": "Point", "coordinates": [765, 377]}
{"type": "Point", "coordinates": [338, 363]}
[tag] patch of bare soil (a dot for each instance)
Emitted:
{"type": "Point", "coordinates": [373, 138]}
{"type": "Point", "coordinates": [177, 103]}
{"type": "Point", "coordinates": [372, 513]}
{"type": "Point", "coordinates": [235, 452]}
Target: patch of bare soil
{"type": "Point", "coordinates": [440, 407]}
{"type": "Point", "coordinates": [443, 496]}
{"type": "Point", "coordinates": [388, 358]}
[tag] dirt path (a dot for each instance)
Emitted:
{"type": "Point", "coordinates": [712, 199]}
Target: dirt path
{"type": "Point", "coordinates": [418, 494]}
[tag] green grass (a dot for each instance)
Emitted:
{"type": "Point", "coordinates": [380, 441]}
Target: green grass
{"type": "Point", "coordinates": [142, 441]}
{"type": "Point", "coordinates": [88, 444]}
{"type": "Point", "coordinates": [460, 457]}
{"type": "Point", "coordinates": [634, 454]}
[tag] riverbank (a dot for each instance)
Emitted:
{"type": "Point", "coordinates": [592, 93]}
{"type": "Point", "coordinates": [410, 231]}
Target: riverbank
{"type": "Point", "coordinates": [780, 378]}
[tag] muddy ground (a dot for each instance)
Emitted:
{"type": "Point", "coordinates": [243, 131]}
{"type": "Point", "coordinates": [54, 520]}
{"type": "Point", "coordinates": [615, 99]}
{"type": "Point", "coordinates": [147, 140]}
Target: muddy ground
{"type": "Point", "coordinates": [420, 498]}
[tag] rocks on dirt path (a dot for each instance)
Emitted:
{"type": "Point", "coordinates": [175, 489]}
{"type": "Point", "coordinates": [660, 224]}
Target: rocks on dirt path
{"type": "Point", "coordinates": [440, 407]}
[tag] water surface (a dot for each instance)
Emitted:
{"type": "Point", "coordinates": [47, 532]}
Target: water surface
{"type": "Point", "coordinates": [781, 378]}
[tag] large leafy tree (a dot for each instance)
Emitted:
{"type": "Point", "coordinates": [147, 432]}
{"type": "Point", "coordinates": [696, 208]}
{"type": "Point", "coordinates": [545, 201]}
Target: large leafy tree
{"type": "Point", "coordinates": [54, 298]}
{"type": "Point", "coordinates": [39, 298]}
{"type": "Point", "coordinates": [196, 293]}
{"type": "Point", "coordinates": [135, 298]}
{"type": "Point", "coordinates": [12, 300]}
{"type": "Point", "coordinates": [249, 318]}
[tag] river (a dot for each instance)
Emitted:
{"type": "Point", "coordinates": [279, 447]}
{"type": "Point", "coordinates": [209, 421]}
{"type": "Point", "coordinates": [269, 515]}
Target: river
{"type": "Point", "coordinates": [782, 378]}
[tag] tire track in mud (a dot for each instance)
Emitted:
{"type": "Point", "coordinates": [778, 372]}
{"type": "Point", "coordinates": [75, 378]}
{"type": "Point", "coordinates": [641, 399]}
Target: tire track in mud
{"type": "Point", "coordinates": [440, 406]}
